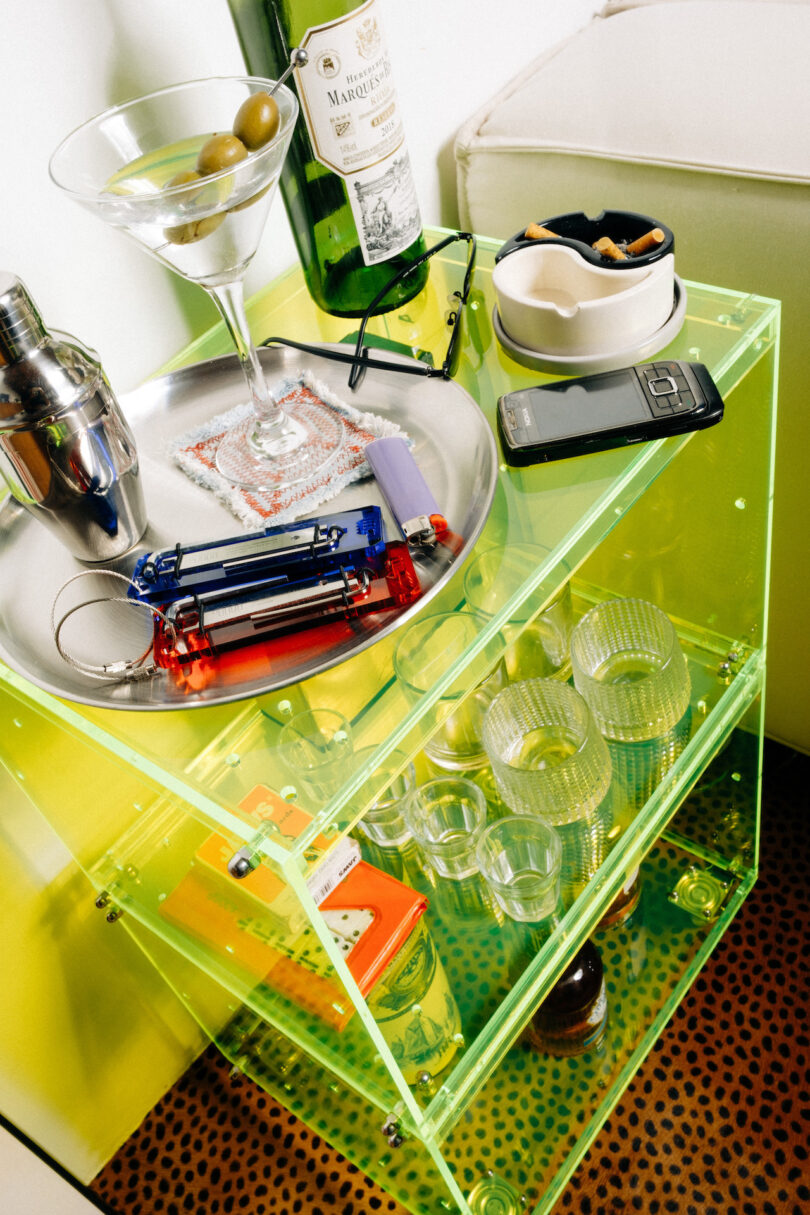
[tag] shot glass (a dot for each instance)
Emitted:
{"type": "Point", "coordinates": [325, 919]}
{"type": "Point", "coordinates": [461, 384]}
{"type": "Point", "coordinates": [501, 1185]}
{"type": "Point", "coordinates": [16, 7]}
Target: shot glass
{"type": "Point", "coordinates": [422, 655]}
{"type": "Point", "coordinates": [538, 643]}
{"type": "Point", "coordinates": [447, 816]}
{"type": "Point", "coordinates": [384, 821]}
{"type": "Point", "coordinates": [520, 858]}
{"type": "Point", "coordinates": [549, 759]}
{"type": "Point", "coordinates": [628, 664]}
{"type": "Point", "coordinates": [390, 844]}
{"type": "Point", "coordinates": [316, 750]}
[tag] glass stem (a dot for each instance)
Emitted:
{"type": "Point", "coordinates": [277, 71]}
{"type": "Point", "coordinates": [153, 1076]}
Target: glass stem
{"type": "Point", "coordinates": [230, 301]}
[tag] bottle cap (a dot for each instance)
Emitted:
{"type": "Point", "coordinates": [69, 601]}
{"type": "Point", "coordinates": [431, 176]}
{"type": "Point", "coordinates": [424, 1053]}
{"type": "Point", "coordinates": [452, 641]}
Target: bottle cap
{"type": "Point", "coordinates": [21, 327]}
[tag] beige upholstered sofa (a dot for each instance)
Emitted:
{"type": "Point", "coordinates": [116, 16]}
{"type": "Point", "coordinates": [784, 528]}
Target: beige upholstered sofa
{"type": "Point", "coordinates": [696, 112]}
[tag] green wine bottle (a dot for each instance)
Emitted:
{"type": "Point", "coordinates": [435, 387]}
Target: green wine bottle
{"type": "Point", "coordinates": [347, 183]}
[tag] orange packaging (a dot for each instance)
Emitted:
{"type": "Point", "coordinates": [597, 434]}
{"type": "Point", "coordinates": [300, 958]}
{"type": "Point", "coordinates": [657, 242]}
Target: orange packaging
{"type": "Point", "coordinates": [289, 820]}
{"type": "Point", "coordinates": [255, 921]}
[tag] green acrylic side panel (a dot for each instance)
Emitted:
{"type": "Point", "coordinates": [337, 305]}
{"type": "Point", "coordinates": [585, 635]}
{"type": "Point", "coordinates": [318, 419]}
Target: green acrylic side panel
{"type": "Point", "coordinates": [698, 543]}
{"type": "Point", "coordinates": [149, 856]}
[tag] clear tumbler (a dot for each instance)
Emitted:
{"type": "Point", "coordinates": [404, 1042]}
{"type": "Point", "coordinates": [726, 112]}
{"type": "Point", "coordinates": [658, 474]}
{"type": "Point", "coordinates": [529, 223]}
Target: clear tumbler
{"type": "Point", "coordinates": [447, 816]}
{"type": "Point", "coordinates": [538, 641]}
{"type": "Point", "coordinates": [520, 858]}
{"type": "Point", "coordinates": [549, 759]}
{"type": "Point", "coordinates": [316, 749]}
{"type": "Point", "coordinates": [628, 664]}
{"type": "Point", "coordinates": [423, 653]}
{"type": "Point", "coordinates": [390, 845]}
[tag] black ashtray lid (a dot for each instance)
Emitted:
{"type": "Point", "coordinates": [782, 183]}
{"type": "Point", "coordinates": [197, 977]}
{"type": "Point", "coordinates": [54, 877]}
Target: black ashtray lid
{"type": "Point", "coordinates": [579, 232]}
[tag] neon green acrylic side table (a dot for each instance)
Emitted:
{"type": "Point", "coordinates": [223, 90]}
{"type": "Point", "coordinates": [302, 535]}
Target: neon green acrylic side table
{"type": "Point", "coordinates": [684, 522]}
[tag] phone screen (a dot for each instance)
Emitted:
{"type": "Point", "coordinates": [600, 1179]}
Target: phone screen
{"type": "Point", "coordinates": [565, 410]}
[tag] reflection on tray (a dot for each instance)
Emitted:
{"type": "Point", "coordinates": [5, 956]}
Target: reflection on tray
{"type": "Point", "coordinates": [256, 594]}
{"type": "Point", "coordinates": [244, 591]}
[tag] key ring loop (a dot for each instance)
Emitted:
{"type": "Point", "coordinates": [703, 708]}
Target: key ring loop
{"type": "Point", "coordinates": [128, 668]}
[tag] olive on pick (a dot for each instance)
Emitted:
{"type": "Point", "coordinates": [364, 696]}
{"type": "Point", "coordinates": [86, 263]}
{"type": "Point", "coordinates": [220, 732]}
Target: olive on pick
{"type": "Point", "coordinates": [220, 152]}
{"type": "Point", "coordinates": [194, 230]}
{"type": "Point", "coordinates": [250, 201]}
{"type": "Point", "coordinates": [256, 120]}
{"type": "Point", "coordinates": [190, 178]}
{"type": "Point", "coordinates": [184, 178]}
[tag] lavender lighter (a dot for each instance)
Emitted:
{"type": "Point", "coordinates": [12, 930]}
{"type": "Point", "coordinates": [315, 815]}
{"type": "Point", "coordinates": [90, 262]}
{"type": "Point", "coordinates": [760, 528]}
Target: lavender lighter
{"type": "Point", "coordinates": [405, 490]}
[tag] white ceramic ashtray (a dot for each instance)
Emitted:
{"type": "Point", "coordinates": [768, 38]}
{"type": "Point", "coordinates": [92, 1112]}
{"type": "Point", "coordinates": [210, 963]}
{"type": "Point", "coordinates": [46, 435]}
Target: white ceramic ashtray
{"type": "Point", "coordinates": [597, 360]}
{"type": "Point", "coordinates": [550, 299]}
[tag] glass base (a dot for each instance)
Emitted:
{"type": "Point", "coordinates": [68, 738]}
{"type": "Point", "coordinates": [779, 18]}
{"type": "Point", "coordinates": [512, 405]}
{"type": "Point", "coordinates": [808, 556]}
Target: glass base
{"type": "Point", "coordinates": [296, 451]}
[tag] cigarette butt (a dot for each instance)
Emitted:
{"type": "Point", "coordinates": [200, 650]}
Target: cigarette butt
{"type": "Point", "coordinates": [608, 248]}
{"type": "Point", "coordinates": [649, 240]}
{"type": "Point", "coordinates": [537, 232]}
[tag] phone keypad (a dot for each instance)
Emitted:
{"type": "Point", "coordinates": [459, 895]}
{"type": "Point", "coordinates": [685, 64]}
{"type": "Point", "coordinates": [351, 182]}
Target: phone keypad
{"type": "Point", "coordinates": [668, 391]}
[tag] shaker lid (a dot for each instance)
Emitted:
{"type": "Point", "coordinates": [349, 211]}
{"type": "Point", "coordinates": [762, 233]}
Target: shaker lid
{"type": "Point", "coordinates": [21, 327]}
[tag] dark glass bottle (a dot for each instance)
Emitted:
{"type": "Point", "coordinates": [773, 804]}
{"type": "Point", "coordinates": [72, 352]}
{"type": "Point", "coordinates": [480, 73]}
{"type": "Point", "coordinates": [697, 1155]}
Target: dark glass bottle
{"type": "Point", "coordinates": [625, 902]}
{"type": "Point", "coordinates": [573, 1016]}
{"type": "Point", "coordinates": [346, 183]}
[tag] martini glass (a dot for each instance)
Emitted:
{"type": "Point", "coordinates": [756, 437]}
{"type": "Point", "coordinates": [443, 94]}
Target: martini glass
{"type": "Point", "coordinates": [136, 167]}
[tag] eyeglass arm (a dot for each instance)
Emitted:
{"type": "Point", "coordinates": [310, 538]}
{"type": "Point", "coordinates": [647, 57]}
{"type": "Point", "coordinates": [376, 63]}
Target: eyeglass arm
{"type": "Point", "coordinates": [361, 359]}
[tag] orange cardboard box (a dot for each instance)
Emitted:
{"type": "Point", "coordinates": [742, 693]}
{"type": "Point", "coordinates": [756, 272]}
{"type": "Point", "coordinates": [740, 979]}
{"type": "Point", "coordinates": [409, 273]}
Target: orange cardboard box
{"type": "Point", "coordinates": [289, 820]}
{"type": "Point", "coordinates": [370, 913]}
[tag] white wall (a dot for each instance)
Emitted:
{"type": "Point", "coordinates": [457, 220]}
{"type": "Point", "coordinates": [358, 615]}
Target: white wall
{"type": "Point", "coordinates": [63, 60]}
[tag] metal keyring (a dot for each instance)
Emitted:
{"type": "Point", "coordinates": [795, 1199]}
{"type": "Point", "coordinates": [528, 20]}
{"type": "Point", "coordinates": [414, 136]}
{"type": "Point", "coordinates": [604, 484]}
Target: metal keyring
{"type": "Point", "coordinates": [128, 668]}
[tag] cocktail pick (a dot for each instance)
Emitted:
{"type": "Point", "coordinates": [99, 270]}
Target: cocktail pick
{"type": "Point", "coordinates": [298, 59]}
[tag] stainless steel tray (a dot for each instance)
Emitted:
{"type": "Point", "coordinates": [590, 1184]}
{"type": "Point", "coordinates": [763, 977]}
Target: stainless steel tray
{"type": "Point", "coordinates": [453, 445]}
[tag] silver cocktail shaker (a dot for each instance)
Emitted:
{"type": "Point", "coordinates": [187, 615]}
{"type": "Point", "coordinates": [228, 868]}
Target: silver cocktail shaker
{"type": "Point", "coordinates": [66, 450]}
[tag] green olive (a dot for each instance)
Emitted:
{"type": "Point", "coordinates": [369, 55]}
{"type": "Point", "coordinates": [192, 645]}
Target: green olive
{"type": "Point", "coordinates": [184, 178]}
{"type": "Point", "coordinates": [194, 230]}
{"type": "Point", "coordinates": [220, 152]}
{"type": "Point", "coordinates": [256, 120]}
{"type": "Point", "coordinates": [250, 201]}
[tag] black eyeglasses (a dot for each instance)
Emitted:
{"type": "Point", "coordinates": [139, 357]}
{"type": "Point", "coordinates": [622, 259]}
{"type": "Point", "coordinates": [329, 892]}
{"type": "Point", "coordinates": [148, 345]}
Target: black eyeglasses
{"type": "Point", "coordinates": [361, 358]}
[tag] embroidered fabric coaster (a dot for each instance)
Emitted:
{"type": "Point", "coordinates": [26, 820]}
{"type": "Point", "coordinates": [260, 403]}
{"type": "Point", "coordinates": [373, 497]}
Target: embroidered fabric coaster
{"type": "Point", "coordinates": [195, 452]}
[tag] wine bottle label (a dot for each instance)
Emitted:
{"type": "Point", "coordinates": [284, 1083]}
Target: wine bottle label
{"type": "Point", "coordinates": [597, 1016]}
{"type": "Point", "coordinates": [350, 108]}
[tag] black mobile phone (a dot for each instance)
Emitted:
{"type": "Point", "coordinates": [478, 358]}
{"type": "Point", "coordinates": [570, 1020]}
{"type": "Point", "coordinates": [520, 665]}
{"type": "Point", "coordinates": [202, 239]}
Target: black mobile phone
{"type": "Point", "coordinates": [611, 409]}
